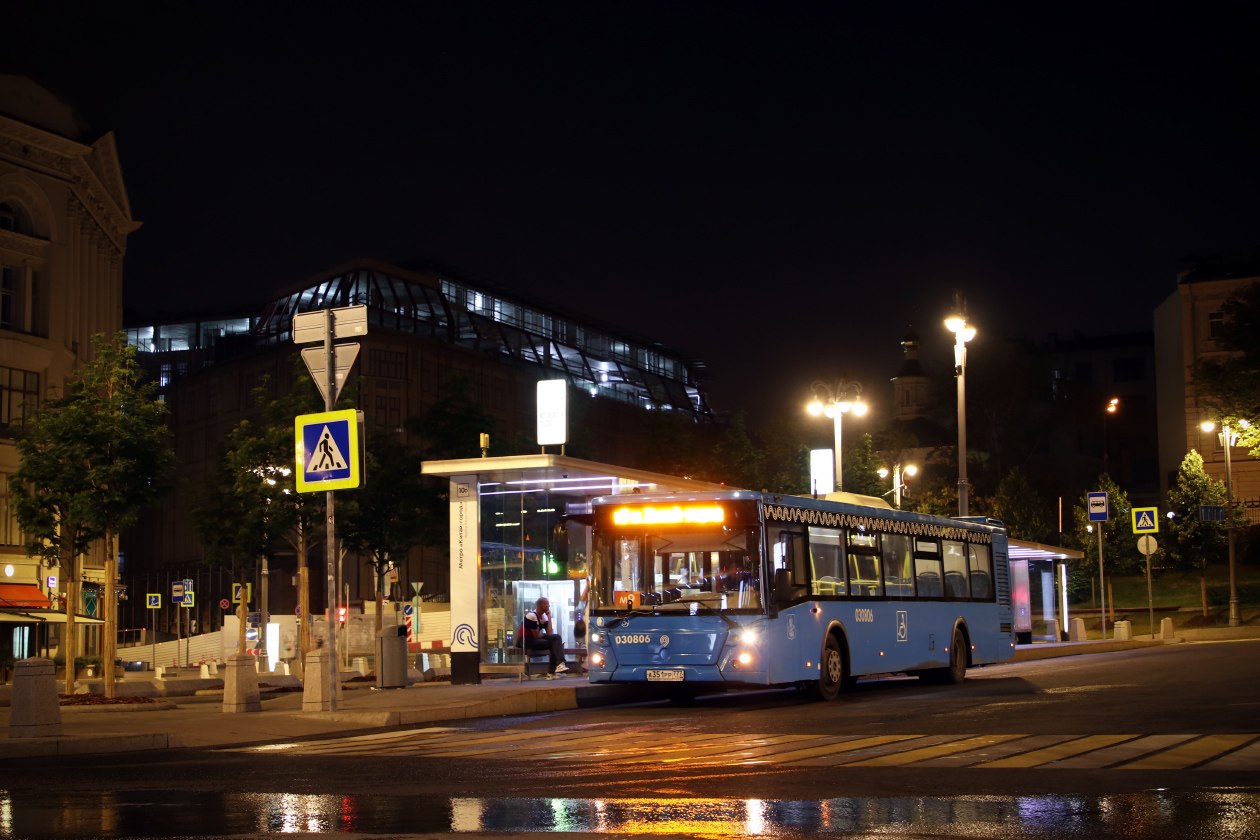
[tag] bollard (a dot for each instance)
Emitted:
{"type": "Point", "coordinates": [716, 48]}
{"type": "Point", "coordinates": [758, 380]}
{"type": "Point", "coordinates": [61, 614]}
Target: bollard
{"type": "Point", "coordinates": [1077, 633]}
{"type": "Point", "coordinates": [315, 682]}
{"type": "Point", "coordinates": [214, 668]}
{"type": "Point", "coordinates": [360, 665]}
{"type": "Point", "coordinates": [205, 671]}
{"type": "Point", "coordinates": [240, 685]}
{"type": "Point", "coordinates": [1124, 631]}
{"type": "Point", "coordinates": [1166, 629]}
{"type": "Point", "coordinates": [35, 710]}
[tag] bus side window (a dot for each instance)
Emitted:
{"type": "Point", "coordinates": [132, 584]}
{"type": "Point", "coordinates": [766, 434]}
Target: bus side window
{"type": "Point", "coordinates": [898, 566]}
{"type": "Point", "coordinates": [927, 568]}
{"type": "Point", "coordinates": [826, 558]}
{"type": "Point", "coordinates": [981, 572]}
{"type": "Point", "coordinates": [956, 586]}
{"type": "Point", "coordinates": [863, 555]}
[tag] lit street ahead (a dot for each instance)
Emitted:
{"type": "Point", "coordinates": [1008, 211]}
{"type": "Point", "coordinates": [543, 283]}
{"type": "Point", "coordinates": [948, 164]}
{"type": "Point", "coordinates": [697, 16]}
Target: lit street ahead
{"type": "Point", "coordinates": [1138, 744]}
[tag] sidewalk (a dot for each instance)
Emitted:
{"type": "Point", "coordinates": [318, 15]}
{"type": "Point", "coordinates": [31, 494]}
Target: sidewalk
{"type": "Point", "coordinates": [198, 721]}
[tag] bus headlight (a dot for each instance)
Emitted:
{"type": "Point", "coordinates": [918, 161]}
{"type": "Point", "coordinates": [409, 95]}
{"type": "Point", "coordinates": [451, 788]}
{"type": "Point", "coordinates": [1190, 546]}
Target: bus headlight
{"type": "Point", "coordinates": [745, 658]}
{"type": "Point", "coordinates": [597, 637]}
{"type": "Point", "coordinates": [748, 637]}
{"type": "Point", "coordinates": [596, 659]}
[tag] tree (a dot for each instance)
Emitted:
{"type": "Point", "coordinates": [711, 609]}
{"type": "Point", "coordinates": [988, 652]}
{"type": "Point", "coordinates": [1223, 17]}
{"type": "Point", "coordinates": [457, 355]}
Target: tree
{"type": "Point", "coordinates": [452, 426]}
{"type": "Point", "coordinates": [1231, 385]}
{"type": "Point", "coordinates": [735, 460]}
{"type": "Point", "coordinates": [391, 513]}
{"type": "Point", "coordinates": [1191, 543]}
{"type": "Point", "coordinates": [52, 503]}
{"type": "Point", "coordinates": [861, 468]}
{"type": "Point", "coordinates": [1020, 508]}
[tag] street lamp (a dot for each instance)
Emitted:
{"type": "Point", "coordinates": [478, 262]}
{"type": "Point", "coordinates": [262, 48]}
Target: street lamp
{"type": "Point", "coordinates": [1111, 409]}
{"type": "Point", "coordinates": [957, 324]}
{"type": "Point", "coordinates": [835, 401]}
{"type": "Point", "coordinates": [898, 471]}
{"type": "Point", "coordinates": [1228, 437]}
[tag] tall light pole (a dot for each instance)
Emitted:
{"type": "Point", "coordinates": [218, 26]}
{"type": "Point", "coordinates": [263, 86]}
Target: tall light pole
{"type": "Point", "coordinates": [835, 401]}
{"type": "Point", "coordinates": [1228, 438]}
{"type": "Point", "coordinates": [957, 324]}
{"type": "Point", "coordinates": [898, 471]}
{"type": "Point", "coordinates": [1111, 409]}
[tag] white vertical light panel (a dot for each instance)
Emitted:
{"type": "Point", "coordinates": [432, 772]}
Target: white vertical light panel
{"type": "Point", "coordinates": [553, 412]}
{"type": "Point", "coordinates": [822, 471]}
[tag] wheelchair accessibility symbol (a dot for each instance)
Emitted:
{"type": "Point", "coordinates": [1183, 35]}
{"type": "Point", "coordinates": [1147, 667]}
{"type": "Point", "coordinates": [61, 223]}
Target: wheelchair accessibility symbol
{"type": "Point", "coordinates": [903, 628]}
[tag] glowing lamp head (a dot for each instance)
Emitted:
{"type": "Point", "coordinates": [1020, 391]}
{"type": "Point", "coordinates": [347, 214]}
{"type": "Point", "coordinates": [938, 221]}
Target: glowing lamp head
{"type": "Point", "coordinates": [955, 324]}
{"type": "Point", "coordinates": [844, 405]}
{"type": "Point", "coordinates": [1207, 426]}
{"type": "Point", "coordinates": [815, 408]}
{"type": "Point", "coordinates": [910, 469]}
{"type": "Point", "coordinates": [830, 411]}
{"type": "Point", "coordinates": [859, 408]}
{"type": "Point", "coordinates": [883, 472]}
{"type": "Point", "coordinates": [968, 334]}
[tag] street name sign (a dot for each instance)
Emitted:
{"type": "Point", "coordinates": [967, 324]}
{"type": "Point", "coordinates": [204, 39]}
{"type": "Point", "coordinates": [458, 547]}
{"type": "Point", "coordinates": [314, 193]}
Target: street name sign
{"type": "Point", "coordinates": [347, 322]}
{"type": "Point", "coordinates": [1147, 544]}
{"type": "Point", "coordinates": [1212, 513]}
{"type": "Point", "coordinates": [327, 450]}
{"type": "Point", "coordinates": [1146, 520]}
{"type": "Point", "coordinates": [1098, 507]}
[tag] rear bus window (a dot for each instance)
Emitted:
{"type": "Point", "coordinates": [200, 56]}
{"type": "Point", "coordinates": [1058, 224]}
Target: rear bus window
{"type": "Point", "coordinates": [981, 572]}
{"type": "Point", "coordinates": [927, 569]}
{"type": "Point", "coordinates": [956, 586]}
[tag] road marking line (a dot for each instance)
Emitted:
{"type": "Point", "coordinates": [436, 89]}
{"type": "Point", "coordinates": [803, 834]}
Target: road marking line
{"type": "Point", "coordinates": [1248, 758]}
{"type": "Point", "coordinates": [736, 744]}
{"type": "Point", "coordinates": [831, 749]}
{"type": "Point", "coordinates": [790, 742]}
{"type": "Point", "coordinates": [910, 756]}
{"type": "Point", "coordinates": [1209, 746]}
{"type": "Point", "coordinates": [1123, 752]}
{"type": "Point", "coordinates": [1026, 743]}
{"type": "Point", "coordinates": [637, 748]}
{"type": "Point", "coordinates": [1056, 753]}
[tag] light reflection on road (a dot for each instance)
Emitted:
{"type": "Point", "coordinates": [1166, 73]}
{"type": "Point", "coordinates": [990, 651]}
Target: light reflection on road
{"type": "Point", "coordinates": [1214, 814]}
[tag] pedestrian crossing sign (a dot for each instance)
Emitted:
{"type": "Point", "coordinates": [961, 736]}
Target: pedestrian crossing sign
{"type": "Point", "coordinates": [1146, 520]}
{"type": "Point", "coordinates": [327, 450]}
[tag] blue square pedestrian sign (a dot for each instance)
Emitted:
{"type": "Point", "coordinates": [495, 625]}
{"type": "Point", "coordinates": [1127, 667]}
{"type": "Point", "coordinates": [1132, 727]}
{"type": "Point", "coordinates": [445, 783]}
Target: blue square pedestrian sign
{"type": "Point", "coordinates": [1146, 520]}
{"type": "Point", "coordinates": [1098, 511]}
{"type": "Point", "coordinates": [327, 450]}
{"type": "Point", "coordinates": [153, 600]}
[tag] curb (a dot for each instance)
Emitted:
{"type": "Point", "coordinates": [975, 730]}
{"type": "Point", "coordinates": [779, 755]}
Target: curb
{"type": "Point", "coordinates": [1032, 653]}
{"type": "Point", "coordinates": [158, 706]}
{"type": "Point", "coordinates": [86, 745]}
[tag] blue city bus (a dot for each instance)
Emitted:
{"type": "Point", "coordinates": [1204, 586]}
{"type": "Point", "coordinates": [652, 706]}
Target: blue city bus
{"type": "Point", "coordinates": [739, 589]}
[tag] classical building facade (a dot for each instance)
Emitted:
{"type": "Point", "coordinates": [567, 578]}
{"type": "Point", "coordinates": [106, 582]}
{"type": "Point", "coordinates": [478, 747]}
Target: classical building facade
{"type": "Point", "coordinates": [1187, 325]}
{"type": "Point", "coordinates": [64, 222]}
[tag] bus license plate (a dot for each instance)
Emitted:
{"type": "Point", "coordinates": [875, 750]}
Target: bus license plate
{"type": "Point", "coordinates": [665, 676]}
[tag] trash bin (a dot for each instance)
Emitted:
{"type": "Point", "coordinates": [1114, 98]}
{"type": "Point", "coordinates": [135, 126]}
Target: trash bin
{"type": "Point", "coordinates": [391, 657]}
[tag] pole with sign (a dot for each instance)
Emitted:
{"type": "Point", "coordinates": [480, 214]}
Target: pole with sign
{"type": "Point", "coordinates": [318, 468]}
{"type": "Point", "coordinates": [153, 601]}
{"type": "Point", "coordinates": [1148, 545]}
{"type": "Point", "coordinates": [1098, 512]}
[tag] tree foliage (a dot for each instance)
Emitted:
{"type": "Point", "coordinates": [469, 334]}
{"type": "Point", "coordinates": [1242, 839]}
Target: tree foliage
{"type": "Point", "coordinates": [1120, 554]}
{"type": "Point", "coordinates": [1021, 508]}
{"type": "Point", "coordinates": [1190, 543]}
{"type": "Point", "coordinates": [861, 468]}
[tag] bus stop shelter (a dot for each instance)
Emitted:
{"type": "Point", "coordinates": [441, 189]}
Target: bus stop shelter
{"type": "Point", "coordinates": [1039, 590]}
{"type": "Point", "coordinates": [510, 546]}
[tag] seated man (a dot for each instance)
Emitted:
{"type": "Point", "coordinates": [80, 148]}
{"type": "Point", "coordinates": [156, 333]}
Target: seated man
{"type": "Point", "coordinates": [538, 638]}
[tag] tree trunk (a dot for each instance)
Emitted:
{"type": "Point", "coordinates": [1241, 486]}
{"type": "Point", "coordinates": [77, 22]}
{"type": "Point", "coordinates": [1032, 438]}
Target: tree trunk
{"type": "Point", "coordinates": [242, 612]}
{"type": "Point", "coordinates": [1111, 603]}
{"type": "Point", "coordinates": [68, 639]}
{"type": "Point", "coordinates": [1203, 588]}
{"type": "Point", "coordinates": [109, 632]}
{"type": "Point", "coordinates": [304, 599]}
{"type": "Point", "coordinates": [380, 601]}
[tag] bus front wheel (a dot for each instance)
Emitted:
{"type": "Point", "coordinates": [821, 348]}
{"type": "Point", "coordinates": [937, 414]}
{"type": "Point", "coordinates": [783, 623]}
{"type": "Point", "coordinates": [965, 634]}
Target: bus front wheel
{"type": "Point", "coordinates": [830, 670]}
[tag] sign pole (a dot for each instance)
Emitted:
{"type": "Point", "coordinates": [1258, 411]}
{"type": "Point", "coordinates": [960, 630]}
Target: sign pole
{"type": "Point", "coordinates": [1102, 585]}
{"type": "Point", "coordinates": [1150, 597]}
{"type": "Point", "coordinates": [330, 549]}
{"type": "Point", "coordinates": [153, 621]}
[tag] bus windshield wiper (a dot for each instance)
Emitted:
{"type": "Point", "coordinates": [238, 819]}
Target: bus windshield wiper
{"type": "Point", "coordinates": [639, 610]}
{"type": "Point", "coordinates": [730, 622]}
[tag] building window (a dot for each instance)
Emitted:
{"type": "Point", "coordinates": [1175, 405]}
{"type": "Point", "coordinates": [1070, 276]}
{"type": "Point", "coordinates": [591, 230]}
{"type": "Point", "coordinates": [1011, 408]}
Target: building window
{"type": "Point", "coordinates": [19, 396]}
{"type": "Point", "coordinates": [388, 364]}
{"type": "Point", "coordinates": [1216, 324]}
{"type": "Point", "coordinates": [13, 218]}
{"type": "Point", "coordinates": [1128, 370]}
{"type": "Point", "coordinates": [8, 296]}
{"type": "Point", "coordinates": [10, 533]}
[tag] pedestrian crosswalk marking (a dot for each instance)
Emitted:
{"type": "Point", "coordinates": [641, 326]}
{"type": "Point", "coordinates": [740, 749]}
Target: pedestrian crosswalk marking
{"type": "Point", "coordinates": [1231, 752]}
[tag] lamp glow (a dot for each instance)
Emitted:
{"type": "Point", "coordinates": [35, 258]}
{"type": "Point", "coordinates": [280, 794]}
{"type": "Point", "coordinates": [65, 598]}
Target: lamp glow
{"type": "Point", "coordinates": [815, 408]}
{"type": "Point", "coordinates": [1207, 426]}
{"type": "Point", "coordinates": [955, 324]}
{"type": "Point", "coordinates": [910, 469]}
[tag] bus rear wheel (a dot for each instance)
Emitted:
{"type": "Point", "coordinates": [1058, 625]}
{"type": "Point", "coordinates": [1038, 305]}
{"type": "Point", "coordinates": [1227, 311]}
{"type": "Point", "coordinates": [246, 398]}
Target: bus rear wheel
{"type": "Point", "coordinates": [830, 670]}
{"type": "Point", "coordinates": [956, 671]}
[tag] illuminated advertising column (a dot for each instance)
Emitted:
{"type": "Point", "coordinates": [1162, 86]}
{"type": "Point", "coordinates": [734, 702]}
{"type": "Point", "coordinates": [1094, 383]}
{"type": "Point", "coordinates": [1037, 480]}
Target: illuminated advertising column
{"type": "Point", "coordinates": [465, 580]}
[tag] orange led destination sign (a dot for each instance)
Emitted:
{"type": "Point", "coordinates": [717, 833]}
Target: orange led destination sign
{"type": "Point", "coordinates": [667, 516]}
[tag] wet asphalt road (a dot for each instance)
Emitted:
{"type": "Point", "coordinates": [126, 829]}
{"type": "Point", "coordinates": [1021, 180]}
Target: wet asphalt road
{"type": "Point", "coordinates": [683, 769]}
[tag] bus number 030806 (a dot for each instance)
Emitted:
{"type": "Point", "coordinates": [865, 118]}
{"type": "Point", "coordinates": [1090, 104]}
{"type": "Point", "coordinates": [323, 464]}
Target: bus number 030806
{"type": "Point", "coordinates": [864, 616]}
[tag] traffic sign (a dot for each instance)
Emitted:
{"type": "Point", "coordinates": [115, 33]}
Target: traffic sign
{"type": "Point", "coordinates": [347, 321]}
{"type": "Point", "coordinates": [153, 601]}
{"type": "Point", "coordinates": [188, 585]}
{"type": "Point", "coordinates": [223, 604]}
{"type": "Point", "coordinates": [317, 363]}
{"type": "Point", "coordinates": [1147, 544]}
{"type": "Point", "coordinates": [177, 591]}
{"type": "Point", "coordinates": [188, 599]}
{"type": "Point", "coordinates": [236, 592]}
{"type": "Point", "coordinates": [297, 610]}
{"type": "Point", "coordinates": [1146, 520]}
{"type": "Point", "coordinates": [1212, 513]}
{"type": "Point", "coordinates": [52, 582]}
{"type": "Point", "coordinates": [1098, 511]}
{"type": "Point", "coordinates": [327, 450]}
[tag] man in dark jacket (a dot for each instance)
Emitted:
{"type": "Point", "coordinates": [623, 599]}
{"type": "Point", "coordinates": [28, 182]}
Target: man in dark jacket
{"type": "Point", "coordinates": [539, 638]}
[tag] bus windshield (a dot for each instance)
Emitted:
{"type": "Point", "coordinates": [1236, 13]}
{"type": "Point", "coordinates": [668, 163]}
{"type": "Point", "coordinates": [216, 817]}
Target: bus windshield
{"type": "Point", "coordinates": [719, 568]}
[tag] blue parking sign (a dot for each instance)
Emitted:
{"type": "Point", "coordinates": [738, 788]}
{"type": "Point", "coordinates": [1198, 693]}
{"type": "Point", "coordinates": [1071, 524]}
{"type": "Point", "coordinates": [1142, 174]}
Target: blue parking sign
{"type": "Point", "coordinates": [327, 450]}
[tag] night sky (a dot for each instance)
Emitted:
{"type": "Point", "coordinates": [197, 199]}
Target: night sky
{"type": "Point", "coordinates": [780, 189]}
